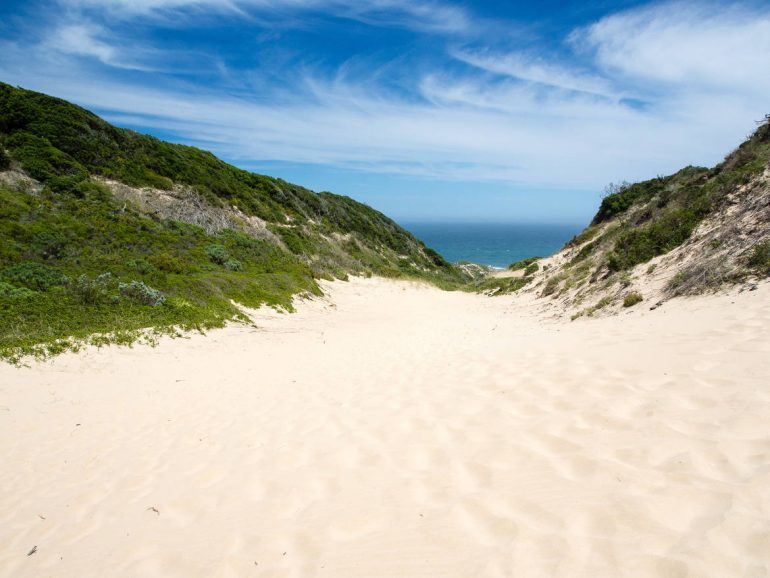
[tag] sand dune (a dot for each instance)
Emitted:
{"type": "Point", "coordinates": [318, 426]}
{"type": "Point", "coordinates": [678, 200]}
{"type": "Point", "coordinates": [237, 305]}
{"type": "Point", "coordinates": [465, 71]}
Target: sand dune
{"type": "Point", "coordinates": [396, 430]}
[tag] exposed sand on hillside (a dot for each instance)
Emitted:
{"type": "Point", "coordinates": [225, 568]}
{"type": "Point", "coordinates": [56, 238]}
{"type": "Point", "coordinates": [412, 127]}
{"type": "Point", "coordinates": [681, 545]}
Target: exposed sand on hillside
{"type": "Point", "coordinates": [404, 432]}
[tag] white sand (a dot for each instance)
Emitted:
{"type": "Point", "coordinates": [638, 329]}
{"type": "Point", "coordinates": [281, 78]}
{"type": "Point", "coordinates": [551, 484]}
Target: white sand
{"type": "Point", "coordinates": [406, 432]}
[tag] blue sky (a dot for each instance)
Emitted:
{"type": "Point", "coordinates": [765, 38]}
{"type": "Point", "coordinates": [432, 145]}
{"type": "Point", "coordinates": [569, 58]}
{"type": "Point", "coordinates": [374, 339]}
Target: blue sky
{"type": "Point", "coordinates": [425, 109]}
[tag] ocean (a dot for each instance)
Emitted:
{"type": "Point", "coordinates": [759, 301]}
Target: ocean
{"type": "Point", "coordinates": [496, 244]}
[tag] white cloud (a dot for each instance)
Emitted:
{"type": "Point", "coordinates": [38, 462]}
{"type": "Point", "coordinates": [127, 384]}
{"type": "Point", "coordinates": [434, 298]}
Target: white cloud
{"type": "Point", "coordinates": [685, 44]}
{"type": "Point", "coordinates": [90, 41]}
{"type": "Point", "coordinates": [85, 39]}
{"type": "Point", "coordinates": [522, 67]}
{"type": "Point", "coordinates": [428, 15]}
{"type": "Point", "coordinates": [81, 39]}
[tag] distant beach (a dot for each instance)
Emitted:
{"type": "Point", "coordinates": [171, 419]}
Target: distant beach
{"type": "Point", "coordinates": [494, 244]}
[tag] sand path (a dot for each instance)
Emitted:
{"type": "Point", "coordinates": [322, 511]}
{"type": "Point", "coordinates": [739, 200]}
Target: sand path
{"type": "Point", "coordinates": [404, 431]}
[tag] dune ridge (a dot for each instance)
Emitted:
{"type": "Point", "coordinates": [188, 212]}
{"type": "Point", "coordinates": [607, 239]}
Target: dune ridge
{"type": "Point", "coordinates": [392, 429]}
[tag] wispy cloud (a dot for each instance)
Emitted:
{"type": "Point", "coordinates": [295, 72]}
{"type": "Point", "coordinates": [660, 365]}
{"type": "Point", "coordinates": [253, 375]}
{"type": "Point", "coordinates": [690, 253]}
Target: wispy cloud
{"type": "Point", "coordinates": [537, 70]}
{"type": "Point", "coordinates": [429, 15]}
{"type": "Point", "coordinates": [88, 40]}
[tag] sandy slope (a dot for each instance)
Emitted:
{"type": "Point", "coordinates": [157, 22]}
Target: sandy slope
{"type": "Point", "coordinates": [404, 432]}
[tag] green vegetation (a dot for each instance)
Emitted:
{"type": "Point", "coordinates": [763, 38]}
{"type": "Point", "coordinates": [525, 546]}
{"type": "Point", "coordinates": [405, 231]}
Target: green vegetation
{"type": "Point", "coordinates": [523, 264]}
{"type": "Point", "coordinates": [553, 284]}
{"type": "Point", "coordinates": [601, 304]}
{"type": "Point", "coordinates": [620, 198]}
{"type": "Point", "coordinates": [120, 271]}
{"type": "Point", "coordinates": [632, 299]}
{"type": "Point", "coordinates": [501, 285]}
{"type": "Point", "coordinates": [531, 269]}
{"type": "Point", "coordinates": [667, 230]}
{"type": "Point", "coordinates": [63, 146]}
{"type": "Point", "coordinates": [653, 217]}
{"type": "Point", "coordinates": [759, 260]}
{"type": "Point", "coordinates": [585, 235]}
{"type": "Point", "coordinates": [78, 265]}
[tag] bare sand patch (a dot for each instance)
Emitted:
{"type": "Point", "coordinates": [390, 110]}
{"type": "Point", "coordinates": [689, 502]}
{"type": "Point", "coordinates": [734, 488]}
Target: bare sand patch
{"type": "Point", "coordinates": [393, 429]}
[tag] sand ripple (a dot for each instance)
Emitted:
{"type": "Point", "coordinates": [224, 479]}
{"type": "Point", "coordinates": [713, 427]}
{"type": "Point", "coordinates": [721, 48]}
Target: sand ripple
{"type": "Point", "coordinates": [401, 432]}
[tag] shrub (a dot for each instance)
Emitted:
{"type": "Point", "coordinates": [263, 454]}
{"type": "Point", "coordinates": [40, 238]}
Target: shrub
{"type": "Point", "coordinates": [5, 162]}
{"type": "Point", "coordinates": [294, 240]}
{"type": "Point", "coordinates": [10, 292]}
{"type": "Point", "coordinates": [217, 253]}
{"type": "Point", "coordinates": [92, 291]}
{"type": "Point", "coordinates": [141, 266]}
{"type": "Point", "coordinates": [759, 259]}
{"type": "Point", "coordinates": [240, 239]}
{"type": "Point", "coordinates": [531, 269]}
{"type": "Point", "coordinates": [632, 299]}
{"type": "Point", "coordinates": [167, 263]}
{"type": "Point", "coordinates": [49, 244]}
{"type": "Point", "coordinates": [233, 265]}
{"type": "Point", "coordinates": [34, 276]}
{"type": "Point", "coordinates": [139, 291]}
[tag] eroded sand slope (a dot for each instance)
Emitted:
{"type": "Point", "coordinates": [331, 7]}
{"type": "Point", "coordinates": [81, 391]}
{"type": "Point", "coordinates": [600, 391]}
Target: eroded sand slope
{"type": "Point", "coordinates": [404, 431]}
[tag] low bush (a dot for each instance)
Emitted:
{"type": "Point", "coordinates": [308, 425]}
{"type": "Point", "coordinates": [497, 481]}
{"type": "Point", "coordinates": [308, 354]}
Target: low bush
{"type": "Point", "coordinates": [217, 253]}
{"type": "Point", "coordinates": [142, 293]}
{"type": "Point", "coordinates": [233, 265]}
{"type": "Point", "coordinates": [141, 266]}
{"type": "Point", "coordinates": [531, 269]}
{"type": "Point", "coordinates": [759, 260]}
{"type": "Point", "coordinates": [167, 263]}
{"type": "Point", "coordinates": [49, 244]}
{"type": "Point", "coordinates": [294, 240]}
{"type": "Point", "coordinates": [11, 292]}
{"type": "Point", "coordinates": [632, 299]}
{"type": "Point", "coordinates": [32, 275]}
{"type": "Point", "coordinates": [92, 291]}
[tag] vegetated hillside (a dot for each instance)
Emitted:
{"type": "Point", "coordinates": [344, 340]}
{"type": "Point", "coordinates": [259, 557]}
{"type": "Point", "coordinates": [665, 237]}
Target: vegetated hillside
{"type": "Point", "coordinates": [687, 233]}
{"type": "Point", "coordinates": [106, 231]}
